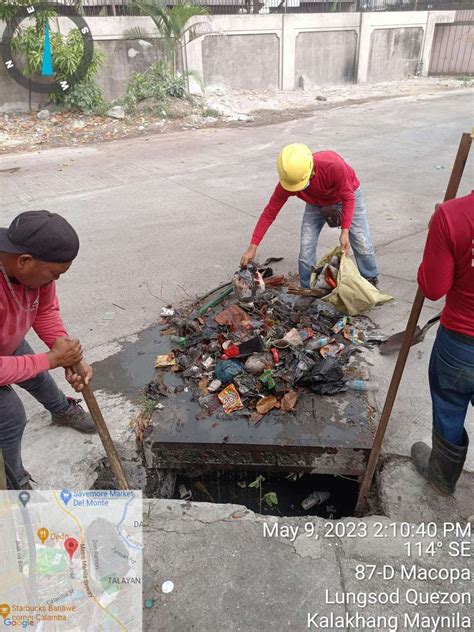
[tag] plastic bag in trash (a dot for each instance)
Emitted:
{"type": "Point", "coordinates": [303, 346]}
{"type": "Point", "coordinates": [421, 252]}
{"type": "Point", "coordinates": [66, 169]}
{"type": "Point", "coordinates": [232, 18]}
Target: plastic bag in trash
{"type": "Point", "coordinates": [325, 378]}
{"type": "Point", "coordinates": [248, 283]}
{"type": "Point", "coordinates": [258, 362]}
{"type": "Point", "coordinates": [247, 385]}
{"type": "Point", "coordinates": [226, 370]}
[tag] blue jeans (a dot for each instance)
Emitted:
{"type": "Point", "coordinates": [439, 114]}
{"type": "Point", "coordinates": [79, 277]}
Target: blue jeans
{"type": "Point", "coordinates": [451, 375]}
{"type": "Point", "coordinates": [13, 416]}
{"type": "Point", "coordinates": [359, 236]}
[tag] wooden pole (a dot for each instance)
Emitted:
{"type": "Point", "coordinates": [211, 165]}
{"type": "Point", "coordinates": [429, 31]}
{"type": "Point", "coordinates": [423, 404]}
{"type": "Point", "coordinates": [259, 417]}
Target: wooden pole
{"type": "Point", "coordinates": [451, 191]}
{"type": "Point", "coordinates": [103, 431]}
{"type": "Point", "coordinates": [3, 478]}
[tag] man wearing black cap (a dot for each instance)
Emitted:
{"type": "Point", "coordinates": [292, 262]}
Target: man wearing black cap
{"type": "Point", "coordinates": [35, 250]}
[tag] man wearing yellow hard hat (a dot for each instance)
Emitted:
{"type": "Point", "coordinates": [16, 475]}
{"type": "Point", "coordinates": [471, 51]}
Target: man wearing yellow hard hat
{"type": "Point", "coordinates": [331, 190]}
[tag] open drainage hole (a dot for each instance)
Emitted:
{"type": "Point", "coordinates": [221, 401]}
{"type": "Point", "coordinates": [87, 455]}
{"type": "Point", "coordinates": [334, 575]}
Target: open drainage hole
{"type": "Point", "coordinates": [270, 493]}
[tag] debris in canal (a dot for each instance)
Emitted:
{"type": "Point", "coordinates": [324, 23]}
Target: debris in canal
{"type": "Point", "coordinates": [316, 498]}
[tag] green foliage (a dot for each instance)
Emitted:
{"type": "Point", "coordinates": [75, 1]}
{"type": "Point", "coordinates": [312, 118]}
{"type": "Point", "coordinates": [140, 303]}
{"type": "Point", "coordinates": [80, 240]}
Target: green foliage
{"type": "Point", "coordinates": [156, 83]}
{"type": "Point", "coordinates": [257, 483]}
{"type": "Point", "coordinates": [86, 96]}
{"type": "Point", "coordinates": [67, 51]}
{"type": "Point", "coordinates": [270, 499]}
{"type": "Point", "coordinates": [171, 23]}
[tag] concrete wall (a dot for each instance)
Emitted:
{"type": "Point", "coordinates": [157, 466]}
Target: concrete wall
{"type": "Point", "coordinates": [266, 51]}
{"type": "Point", "coordinates": [129, 57]}
{"type": "Point", "coordinates": [326, 57]}
{"type": "Point", "coordinates": [394, 53]}
{"type": "Point", "coordinates": [233, 60]}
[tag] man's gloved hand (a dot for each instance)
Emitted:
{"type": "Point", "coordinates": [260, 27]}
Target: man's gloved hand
{"type": "Point", "coordinates": [249, 255]}
{"type": "Point", "coordinates": [344, 241]}
{"type": "Point", "coordinates": [65, 352]}
{"type": "Point", "coordinates": [75, 380]}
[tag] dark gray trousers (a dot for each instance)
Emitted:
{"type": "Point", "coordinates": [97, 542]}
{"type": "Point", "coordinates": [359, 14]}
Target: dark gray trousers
{"type": "Point", "coordinates": [13, 416]}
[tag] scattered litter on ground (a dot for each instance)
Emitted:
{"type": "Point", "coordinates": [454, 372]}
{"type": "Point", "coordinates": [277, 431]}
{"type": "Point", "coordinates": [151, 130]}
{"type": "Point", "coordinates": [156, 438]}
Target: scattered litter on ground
{"type": "Point", "coordinates": [167, 586]}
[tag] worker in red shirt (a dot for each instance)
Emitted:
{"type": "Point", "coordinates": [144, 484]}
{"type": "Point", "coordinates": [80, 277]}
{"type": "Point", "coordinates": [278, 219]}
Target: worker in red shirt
{"type": "Point", "coordinates": [34, 251]}
{"type": "Point", "coordinates": [332, 193]}
{"type": "Point", "coordinates": [448, 269]}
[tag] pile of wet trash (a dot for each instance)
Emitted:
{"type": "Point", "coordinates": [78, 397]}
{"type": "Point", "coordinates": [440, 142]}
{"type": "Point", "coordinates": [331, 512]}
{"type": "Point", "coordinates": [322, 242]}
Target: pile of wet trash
{"type": "Point", "coordinates": [254, 346]}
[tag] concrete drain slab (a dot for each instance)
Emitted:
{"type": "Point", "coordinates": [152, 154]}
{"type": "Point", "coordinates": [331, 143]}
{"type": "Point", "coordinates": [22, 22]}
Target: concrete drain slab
{"type": "Point", "coordinates": [331, 435]}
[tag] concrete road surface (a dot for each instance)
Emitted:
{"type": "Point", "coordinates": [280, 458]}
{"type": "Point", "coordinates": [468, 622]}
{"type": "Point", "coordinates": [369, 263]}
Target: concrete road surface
{"type": "Point", "coordinates": [167, 217]}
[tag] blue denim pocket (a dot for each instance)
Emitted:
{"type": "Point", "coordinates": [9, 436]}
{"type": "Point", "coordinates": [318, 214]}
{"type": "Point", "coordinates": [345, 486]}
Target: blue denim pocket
{"type": "Point", "coordinates": [455, 372]}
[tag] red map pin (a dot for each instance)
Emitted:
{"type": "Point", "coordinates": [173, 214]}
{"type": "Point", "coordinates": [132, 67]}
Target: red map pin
{"type": "Point", "coordinates": [70, 545]}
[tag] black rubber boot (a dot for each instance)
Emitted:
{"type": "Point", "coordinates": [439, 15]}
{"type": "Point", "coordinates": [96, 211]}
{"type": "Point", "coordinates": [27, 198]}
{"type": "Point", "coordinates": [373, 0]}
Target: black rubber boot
{"type": "Point", "coordinates": [442, 465]}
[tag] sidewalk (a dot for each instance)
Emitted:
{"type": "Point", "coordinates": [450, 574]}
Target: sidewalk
{"type": "Point", "coordinates": [229, 576]}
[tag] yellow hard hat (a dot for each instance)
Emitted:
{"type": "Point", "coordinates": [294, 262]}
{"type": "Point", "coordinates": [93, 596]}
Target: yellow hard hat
{"type": "Point", "coordinates": [295, 164]}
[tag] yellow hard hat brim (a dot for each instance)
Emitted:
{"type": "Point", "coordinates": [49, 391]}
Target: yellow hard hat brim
{"type": "Point", "coordinates": [295, 187]}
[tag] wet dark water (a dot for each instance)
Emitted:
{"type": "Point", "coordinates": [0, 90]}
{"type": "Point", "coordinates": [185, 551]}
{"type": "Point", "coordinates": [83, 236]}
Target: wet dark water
{"type": "Point", "coordinates": [129, 370]}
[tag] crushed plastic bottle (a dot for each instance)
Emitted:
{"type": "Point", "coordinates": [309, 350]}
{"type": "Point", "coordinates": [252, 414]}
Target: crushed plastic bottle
{"type": "Point", "coordinates": [316, 498]}
{"type": "Point", "coordinates": [362, 385]}
{"type": "Point", "coordinates": [318, 343]}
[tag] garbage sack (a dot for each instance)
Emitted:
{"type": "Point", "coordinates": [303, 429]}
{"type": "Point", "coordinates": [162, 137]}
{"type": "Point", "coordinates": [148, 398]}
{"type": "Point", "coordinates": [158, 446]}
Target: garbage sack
{"type": "Point", "coordinates": [353, 294]}
{"type": "Point", "coordinates": [248, 282]}
{"type": "Point", "coordinates": [226, 370]}
{"type": "Point", "coordinates": [325, 377]}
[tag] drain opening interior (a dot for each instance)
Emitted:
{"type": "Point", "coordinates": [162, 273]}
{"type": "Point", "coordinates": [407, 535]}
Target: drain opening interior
{"type": "Point", "coordinates": [289, 490]}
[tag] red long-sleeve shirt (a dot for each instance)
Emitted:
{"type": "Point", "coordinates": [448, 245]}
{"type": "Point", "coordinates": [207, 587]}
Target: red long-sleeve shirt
{"type": "Point", "coordinates": [334, 181]}
{"type": "Point", "coordinates": [15, 323]}
{"type": "Point", "coordinates": [448, 263]}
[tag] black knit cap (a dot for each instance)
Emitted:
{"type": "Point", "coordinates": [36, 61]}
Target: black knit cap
{"type": "Point", "coordinates": [41, 234]}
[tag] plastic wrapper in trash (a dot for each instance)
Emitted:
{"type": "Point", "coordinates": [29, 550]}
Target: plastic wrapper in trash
{"type": "Point", "coordinates": [331, 350]}
{"type": "Point", "coordinates": [214, 386]}
{"type": "Point", "coordinates": [306, 333]}
{"type": "Point", "coordinates": [258, 362]}
{"type": "Point", "coordinates": [267, 379]}
{"type": "Point", "coordinates": [325, 378]}
{"type": "Point", "coordinates": [339, 326]}
{"type": "Point", "coordinates": [165, 360]}
{"type": "Point", "coordinates": [230, 399]}
{"type": "Point", "coordinates": [226, 370]}
{"type": "Point", "coordinates": [248, 283]}
{"type": "Point", "coordinates": [355, 336]}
